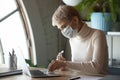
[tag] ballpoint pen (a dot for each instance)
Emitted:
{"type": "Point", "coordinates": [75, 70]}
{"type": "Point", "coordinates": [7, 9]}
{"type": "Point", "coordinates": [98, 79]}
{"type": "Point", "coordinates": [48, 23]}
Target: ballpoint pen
{"type": "Point", "coordinates": [60, 53]}
{"type": "Point", "coordinates": [13, 52]}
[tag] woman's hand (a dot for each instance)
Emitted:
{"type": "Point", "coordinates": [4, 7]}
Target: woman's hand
{"type": "Point", "coordinates": [60, 57]}
{"type": "Point", "coordinates": [56, 64]}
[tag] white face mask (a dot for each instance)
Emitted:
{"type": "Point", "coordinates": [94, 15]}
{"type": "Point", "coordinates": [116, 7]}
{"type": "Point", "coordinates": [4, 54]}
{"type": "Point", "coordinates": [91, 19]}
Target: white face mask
{"type": "Point", "coordinates": [68, 32]}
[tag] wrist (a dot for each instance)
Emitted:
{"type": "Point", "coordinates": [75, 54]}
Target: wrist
{"type": "Point", "coordinates": [64, 63]}
{"type": "Point", "coordinates": [63, 68]}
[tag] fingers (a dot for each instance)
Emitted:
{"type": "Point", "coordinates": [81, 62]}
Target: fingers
{"type": "Point", "coordinates": [55, 65]}
{"type": "Point", "coordinates": [60, 57]}
{"type": "Point", "coordinates": [51, 66]}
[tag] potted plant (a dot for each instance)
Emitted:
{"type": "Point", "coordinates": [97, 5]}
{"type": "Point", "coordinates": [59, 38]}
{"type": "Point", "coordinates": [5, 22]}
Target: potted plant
{"type": "Point", "coordinates": [95, 10]}
{"type": "Point", "coordinates": [101, 13]}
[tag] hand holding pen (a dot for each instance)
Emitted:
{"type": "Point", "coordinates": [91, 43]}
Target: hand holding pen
{"type": "Point", "coordinates": [58, 63]}
{"type": "Point", "coordinates": [60, 57]}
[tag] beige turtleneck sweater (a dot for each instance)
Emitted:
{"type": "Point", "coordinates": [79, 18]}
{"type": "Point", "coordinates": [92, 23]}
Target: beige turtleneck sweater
{"type": "Point", "coordinates": [89, 51]}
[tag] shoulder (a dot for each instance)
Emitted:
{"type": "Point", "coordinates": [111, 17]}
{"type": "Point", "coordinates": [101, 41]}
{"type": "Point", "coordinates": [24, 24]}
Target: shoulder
{"type": "Point", "coordinates": [98, 33]}
{"type": "Point", "coordinates": [98, 36]}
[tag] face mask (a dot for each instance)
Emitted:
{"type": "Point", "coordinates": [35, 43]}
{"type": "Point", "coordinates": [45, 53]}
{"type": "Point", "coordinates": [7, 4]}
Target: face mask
{"type": "Point", "coordinates": [68, 32]}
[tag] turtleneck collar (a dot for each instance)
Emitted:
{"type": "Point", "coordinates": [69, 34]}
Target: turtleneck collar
{"type": "Point", "coordinates": [84, 32]}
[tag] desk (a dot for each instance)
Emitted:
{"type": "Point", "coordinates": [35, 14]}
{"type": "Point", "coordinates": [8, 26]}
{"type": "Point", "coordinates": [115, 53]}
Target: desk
{"type": "Point", "coordinates": [66, 76]}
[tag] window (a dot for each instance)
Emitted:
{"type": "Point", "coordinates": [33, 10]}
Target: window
{"type": "Point", "coordinates": [12, 31]}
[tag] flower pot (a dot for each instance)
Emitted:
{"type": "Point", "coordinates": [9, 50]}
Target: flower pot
{"type": "Point", "coordinates": [101, 21]}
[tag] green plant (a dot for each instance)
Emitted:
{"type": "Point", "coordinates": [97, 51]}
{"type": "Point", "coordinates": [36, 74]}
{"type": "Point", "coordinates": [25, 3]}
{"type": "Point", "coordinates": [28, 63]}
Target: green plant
{"type": "Point", "coordinates": [29, 62]}
{"type": "Point", "coordinates": [89, 6]}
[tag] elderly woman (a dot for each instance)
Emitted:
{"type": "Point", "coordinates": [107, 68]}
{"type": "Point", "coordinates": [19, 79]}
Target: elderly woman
{"type": "Point", "coordinates": [88, 46]}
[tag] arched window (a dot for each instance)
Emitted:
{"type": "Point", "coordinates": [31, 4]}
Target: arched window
{"type": "Point", "coordinates": [14, 31]}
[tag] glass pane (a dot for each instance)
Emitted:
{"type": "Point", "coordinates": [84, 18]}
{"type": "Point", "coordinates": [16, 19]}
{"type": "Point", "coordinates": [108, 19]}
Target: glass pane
{"type": "Point", "coordinates": [6, 7]}
{"type": "Point", "coordinates": [12, 35]}
{"type": "Point", "coordinates": [1, 53]}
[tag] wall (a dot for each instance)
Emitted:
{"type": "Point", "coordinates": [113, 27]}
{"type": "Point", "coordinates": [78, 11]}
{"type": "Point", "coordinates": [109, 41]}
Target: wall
{"type": "Point", "coordinates": [48, 40]}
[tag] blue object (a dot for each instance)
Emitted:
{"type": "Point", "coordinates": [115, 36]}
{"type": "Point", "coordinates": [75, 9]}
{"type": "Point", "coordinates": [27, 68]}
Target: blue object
{"type": "Point", "coordinates": [101, 21]}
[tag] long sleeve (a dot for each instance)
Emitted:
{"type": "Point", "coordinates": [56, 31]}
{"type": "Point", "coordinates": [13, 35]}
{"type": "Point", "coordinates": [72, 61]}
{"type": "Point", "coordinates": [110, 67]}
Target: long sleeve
{"type": "Point", "coordinates": [92, 56]}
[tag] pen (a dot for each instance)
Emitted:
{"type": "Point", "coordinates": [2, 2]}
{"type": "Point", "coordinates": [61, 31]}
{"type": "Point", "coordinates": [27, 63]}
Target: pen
{"type": "Point", "coordinates": [74, 78]}
{"type": "Point", "coordinates": [61, 52]}
{"type": "Point", "coordinates": [13, 52]}
{"type": "Point", "coordinates": [9, 53]}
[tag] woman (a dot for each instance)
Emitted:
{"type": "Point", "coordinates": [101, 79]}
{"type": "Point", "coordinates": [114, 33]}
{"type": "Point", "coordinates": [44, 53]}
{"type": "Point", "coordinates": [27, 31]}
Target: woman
{"type": "Point", "coordinates": [88, 46]}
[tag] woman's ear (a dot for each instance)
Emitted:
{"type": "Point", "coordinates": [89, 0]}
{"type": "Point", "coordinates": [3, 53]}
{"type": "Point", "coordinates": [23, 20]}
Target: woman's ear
{"type": "Point", "coordinates": [75, 20]}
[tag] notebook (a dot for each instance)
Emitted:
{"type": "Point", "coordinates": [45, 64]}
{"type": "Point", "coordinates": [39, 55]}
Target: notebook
{"type": "Point", "coordinates": [33, 73]}
{"type": "Point", "coordinates": [7, 72]}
